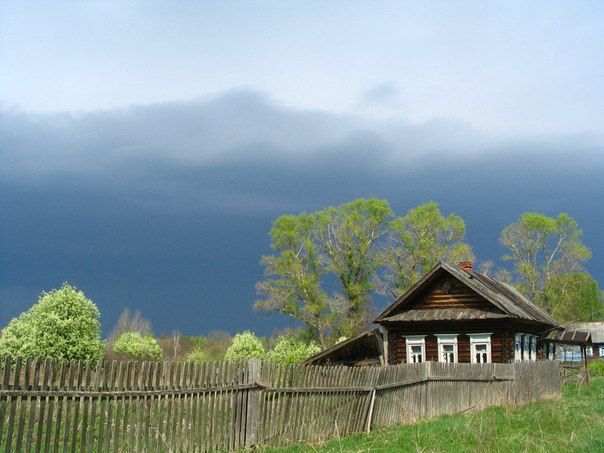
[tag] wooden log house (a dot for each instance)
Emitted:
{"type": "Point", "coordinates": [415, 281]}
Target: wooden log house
{"type": "Point", "coordinates": [455, 314]}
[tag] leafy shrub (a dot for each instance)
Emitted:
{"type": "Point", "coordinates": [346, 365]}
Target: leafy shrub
{"type": "Point", "coordinates": [63, 325]}
{"type": "Point", "coordinates": [245, 345]}
{"type": "Point", "coordinates": [197, 355]}
{"type": "Point", "coordinates": [289, 350]}
{"type": "Point", "coordinates": [596, 368]}
{"type": "Point", "coordinates": [139, 347]}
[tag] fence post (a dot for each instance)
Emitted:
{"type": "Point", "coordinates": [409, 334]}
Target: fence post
{"type": "Point", "coordinates": [370, 413]}
{"type": "Point", "coordinates": [252, 415]}
{"type": "Point", "coordinates": [373, 382]}
{"type": "Point", "coordinates": [427, 389]}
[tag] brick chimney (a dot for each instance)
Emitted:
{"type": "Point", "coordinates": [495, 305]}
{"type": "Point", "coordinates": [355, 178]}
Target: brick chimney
{"type": "Point", "coordinates": [466, 265]}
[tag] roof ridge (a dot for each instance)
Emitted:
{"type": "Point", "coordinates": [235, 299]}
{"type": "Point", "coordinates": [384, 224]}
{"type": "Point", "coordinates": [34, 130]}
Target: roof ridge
{"type": "Point", "coordinates": [503, 296]}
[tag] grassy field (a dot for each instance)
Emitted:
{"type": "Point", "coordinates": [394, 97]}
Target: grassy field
{"type": "Point", "coordinates": [574, 423]}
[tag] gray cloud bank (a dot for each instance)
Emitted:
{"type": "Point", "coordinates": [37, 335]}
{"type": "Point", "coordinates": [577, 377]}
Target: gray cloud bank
{"type": "Point", "coordinates": [166, 207]}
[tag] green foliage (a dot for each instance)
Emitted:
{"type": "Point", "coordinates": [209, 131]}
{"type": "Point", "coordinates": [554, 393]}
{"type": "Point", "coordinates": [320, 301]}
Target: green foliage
{"type": "Point", "coordinates": [542, 249]}
{"type": "Point", "coordinates": [572, 297]}
{"type": "Point", "coordinates": [216, 344]}
{"type": "Point", "coordinates": [338, 242]}
{"type": "Point", "coordinates": [346, 243]}
{"type": "Point", "coordinates": [348, 237]}
{"type": "Point", "coordinates": [289, 350]}
{"type": "Point", "coordinates": [245, 345]}
{"type": "Point", "coordinates": [292, 285]}
{"type": "Point", "coordinates": [197, 355]}
{"type": "Point", "coordinates": [596, 368]}
{"type": "Point", "coordinates": [138, 347]}
{"type": "Point", "coordinates": [417, 241]}
{"type": "Point", "coordinates": [63, 324]}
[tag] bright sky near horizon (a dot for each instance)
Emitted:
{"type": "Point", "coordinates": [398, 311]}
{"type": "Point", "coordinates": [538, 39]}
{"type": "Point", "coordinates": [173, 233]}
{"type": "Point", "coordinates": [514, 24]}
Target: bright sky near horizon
{"type": "Point", "coordinates": [522, 67]}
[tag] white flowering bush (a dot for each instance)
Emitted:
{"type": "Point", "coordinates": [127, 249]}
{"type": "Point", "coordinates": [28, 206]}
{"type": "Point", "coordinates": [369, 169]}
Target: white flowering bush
{"type": "Point", "coordinates": [63, 325]}
{"type": "Point", "coordinates": [138, 347]}
{"type": "Point", "coordinates": [197, 355]}
{"type": "Point", "coordinates": [289, 350]}
{"type": "Point", "coordinates": [245, 345]}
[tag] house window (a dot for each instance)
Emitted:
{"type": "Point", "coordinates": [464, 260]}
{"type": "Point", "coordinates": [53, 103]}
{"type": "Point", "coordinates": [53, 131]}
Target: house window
{"type": "Point", "coordinates": [447, 348]}
{"type": "Point", "coordinates": [533, 348]}
{"type": "Point", "coordinates": [517, 347]}
{"type": "Point", "coordinates": [589, 351]}
{"type": "Point", "coordinates": [480, 347]}
{"type": "Point", "coordinates": [525, 348]}
{"type": "Point", "coordinates": [601, 351]}
{"type": "Point", "coordinates": [416, 349]}
{"type": "Point", "coordinates": [551, 351]}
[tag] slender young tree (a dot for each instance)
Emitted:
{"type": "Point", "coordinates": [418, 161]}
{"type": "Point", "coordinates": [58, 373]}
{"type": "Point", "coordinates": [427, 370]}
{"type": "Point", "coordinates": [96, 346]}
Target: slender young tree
{"type": "Point", "coordinates": [130, 322]}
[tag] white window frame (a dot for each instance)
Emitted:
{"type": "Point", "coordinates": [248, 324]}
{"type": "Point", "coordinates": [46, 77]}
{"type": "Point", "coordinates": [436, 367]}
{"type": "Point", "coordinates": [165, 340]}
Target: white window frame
{"type": "Point", "coordinates": [601, 351]}
{"type": "Point", "coordinates": [551, 351]}
{"type": "Point", "coordinates": [518, 347]}
{"type": "Point", "coordinates": [449, 339]}
{"type": "Point", "coordinates": [533, 348]}
{"type": "Point", "coordinates": [477, 339]}
{"type": "Point", "coordinates": [416, 340]}
{"type": "Point", "coordinates": [526, 344]}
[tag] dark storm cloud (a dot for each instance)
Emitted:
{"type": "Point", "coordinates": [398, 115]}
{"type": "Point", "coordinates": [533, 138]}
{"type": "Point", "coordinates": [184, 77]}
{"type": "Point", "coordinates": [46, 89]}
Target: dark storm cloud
{"type": "Point", "coordinates": [165, 208]}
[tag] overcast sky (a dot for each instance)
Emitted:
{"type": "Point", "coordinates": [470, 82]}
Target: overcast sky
{"type": "Point", "coordinates": [147, 146]}
{"type": "Point", "coordinates": [502, 66]}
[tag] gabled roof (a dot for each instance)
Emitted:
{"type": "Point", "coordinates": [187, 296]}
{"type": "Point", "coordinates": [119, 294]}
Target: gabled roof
{"type": "Point", "coordinates": [505, 297]}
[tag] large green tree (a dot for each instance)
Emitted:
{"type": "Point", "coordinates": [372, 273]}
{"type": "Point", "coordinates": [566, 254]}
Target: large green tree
{"type": "Point", "coordinates": [417, 241]}
{"type": "Point", "coordinates": [334, 248]}
{"type": "Point", "coordinates": [348, 235]}
{"type": "Point", "coordinates": [546, 254]}
{"type": "Point", "coordinates": [292, 284]}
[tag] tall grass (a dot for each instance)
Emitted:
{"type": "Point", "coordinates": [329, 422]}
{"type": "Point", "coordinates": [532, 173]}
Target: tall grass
{"type": "Point", "coordinates": [573, 423]}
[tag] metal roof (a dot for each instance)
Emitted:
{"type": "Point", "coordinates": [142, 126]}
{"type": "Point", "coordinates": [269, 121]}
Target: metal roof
{"type": "Point", "coordinates": [596, 329]}
{"type": "Point", "coordinates": [502, 295]}
{"type": "Point", "coordinates": [568, 336]}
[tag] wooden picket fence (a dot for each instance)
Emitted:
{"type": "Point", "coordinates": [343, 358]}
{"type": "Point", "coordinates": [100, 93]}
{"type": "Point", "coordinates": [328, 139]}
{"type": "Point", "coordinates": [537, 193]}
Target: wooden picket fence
{"type": "Point", "coordinates": [219, 406]}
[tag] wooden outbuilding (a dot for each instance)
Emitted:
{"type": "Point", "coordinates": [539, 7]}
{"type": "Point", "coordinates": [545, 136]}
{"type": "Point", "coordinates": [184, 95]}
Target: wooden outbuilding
{"type": "Point", "coordinates": [596, 332]}
{"type": "Point", "coordinates": [365, 349]}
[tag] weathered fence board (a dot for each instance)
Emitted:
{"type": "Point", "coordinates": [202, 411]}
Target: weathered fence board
{"type": "Point", "coordinates": [75, 406]}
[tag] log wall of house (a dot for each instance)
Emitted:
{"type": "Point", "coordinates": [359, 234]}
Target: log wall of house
{"type": "Point", "coordinates": [502, 342]}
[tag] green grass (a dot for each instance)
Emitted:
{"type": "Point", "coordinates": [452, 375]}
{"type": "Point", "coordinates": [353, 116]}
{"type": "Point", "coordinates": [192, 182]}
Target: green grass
{"type": "Point", "coordinates": [573, 423]}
